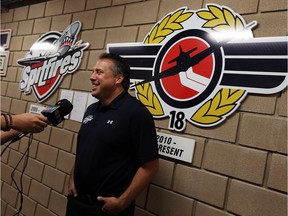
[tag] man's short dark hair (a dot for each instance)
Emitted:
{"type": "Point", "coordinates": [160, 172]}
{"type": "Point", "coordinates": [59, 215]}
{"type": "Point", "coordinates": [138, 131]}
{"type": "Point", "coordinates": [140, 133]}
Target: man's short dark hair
{"type": "Point", "coordinates": [120, 66]}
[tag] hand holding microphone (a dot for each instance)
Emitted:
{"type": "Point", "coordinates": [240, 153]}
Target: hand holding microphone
{"type": "Point", "coordinates": [28, 122]}
{"type": "Point", "coordinates": [35, 123]}
{"type": "Point", "coordinates": [25, 123]}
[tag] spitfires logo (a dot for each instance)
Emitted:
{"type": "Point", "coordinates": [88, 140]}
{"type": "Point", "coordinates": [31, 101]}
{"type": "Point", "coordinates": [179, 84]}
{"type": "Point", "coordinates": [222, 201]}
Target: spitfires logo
{"type": "Point", "coordinates": [197, 66]}
{"type": "Point", "coordinates": [50, 58]}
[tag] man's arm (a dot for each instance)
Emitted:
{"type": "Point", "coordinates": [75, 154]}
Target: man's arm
{"type": "Point", "coordinates": [71, 186]}
{"type": "Point", "coordinates": [142, 178]}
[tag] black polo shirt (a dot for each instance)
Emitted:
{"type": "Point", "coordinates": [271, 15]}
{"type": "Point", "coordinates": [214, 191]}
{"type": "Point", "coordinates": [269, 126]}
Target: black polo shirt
{"type": "Point", "coordinates": [113, 142]}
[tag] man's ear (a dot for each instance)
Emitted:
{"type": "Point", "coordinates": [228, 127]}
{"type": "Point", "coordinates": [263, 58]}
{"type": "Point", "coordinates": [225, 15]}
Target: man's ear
{"type": "Point", "coordinates": [119, 78]}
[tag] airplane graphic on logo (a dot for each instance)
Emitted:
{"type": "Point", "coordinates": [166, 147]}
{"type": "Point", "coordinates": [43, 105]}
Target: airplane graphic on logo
{"type": "Point", "coordinates": [50, 58]}
{"type": "Point", "coordinates": [201, 74]}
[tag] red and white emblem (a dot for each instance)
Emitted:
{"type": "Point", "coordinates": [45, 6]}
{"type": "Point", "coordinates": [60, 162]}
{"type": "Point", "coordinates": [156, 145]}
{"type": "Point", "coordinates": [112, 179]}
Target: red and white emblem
{"type": "Point", "coordinates": [50, 58]}
{"type": "Point", "coordinates": [197, 66]}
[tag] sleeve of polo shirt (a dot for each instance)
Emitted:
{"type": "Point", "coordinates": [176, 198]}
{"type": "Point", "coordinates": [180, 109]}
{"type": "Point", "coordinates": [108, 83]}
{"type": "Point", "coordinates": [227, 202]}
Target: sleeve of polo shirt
{"type": "Point", "coordinates": [143, 133]}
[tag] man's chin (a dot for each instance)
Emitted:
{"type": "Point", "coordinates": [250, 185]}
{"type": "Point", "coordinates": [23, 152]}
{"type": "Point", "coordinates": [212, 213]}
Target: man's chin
{"type": "Point", "coordinates": [94, 94]}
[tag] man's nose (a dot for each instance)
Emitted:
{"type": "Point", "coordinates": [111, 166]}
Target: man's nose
{"type": "Point", "coordinates": [93, 76]}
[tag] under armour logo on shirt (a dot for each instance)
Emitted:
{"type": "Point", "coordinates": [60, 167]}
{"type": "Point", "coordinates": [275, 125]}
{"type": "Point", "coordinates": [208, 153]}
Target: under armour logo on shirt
{"type": "Point", "coordinates": [110, 122]}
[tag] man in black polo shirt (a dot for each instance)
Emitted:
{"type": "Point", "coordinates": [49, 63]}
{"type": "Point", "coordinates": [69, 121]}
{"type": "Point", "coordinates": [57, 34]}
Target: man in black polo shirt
{"type": "Point", "coordinates": [117, 153]}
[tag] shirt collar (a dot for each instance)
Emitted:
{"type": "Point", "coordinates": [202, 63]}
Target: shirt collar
{"type": "Point", "coordinates": [115, 103]}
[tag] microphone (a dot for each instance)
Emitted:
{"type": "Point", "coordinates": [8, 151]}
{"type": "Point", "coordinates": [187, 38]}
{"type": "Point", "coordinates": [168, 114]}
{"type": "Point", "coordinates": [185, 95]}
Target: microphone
{"type": "Point", "coordinates": [55, 115]}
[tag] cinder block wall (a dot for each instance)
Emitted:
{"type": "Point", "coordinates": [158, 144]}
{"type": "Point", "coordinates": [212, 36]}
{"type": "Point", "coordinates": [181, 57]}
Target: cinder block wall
{"type": "Point", "coordinates": [239, 167]}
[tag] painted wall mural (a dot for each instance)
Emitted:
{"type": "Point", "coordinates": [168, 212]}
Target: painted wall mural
{"type": "Point", "coordinates": [198, 66]}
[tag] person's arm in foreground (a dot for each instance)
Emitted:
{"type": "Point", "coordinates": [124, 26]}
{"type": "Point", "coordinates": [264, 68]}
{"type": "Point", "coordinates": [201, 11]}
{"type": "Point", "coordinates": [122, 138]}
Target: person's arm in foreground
{"type": "Point", "coordinates": [142, 178]}
{"type": "Point", "coordinates": [8, 135]}
{"type": "Point", "coordinates": [25, 122]}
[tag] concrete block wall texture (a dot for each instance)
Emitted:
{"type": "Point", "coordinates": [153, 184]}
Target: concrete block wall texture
{"type": "Point", "coordinates": [239, 167]}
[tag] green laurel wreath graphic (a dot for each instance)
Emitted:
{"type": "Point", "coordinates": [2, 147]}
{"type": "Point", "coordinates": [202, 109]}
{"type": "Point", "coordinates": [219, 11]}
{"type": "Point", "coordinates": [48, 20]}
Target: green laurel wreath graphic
{"type": "Point", "coordinates": [169, 24]}
{"type": "Point", "coordinates": [224, 102]}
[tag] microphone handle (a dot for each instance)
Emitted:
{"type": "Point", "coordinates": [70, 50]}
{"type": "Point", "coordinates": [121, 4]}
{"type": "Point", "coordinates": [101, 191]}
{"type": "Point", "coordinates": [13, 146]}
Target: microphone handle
{"type": "Point", "coordinates": [19, 137]}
